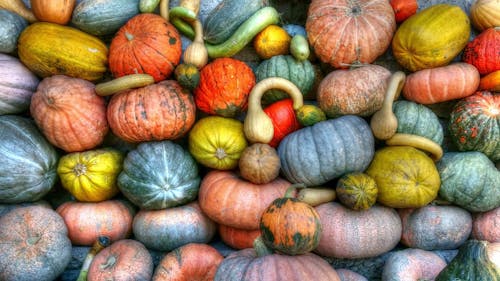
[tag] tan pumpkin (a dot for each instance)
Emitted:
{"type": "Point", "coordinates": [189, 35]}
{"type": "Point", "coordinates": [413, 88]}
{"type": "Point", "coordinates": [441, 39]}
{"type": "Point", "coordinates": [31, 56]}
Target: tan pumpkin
{"type": "Point", "coordinates": [237, 238]}
{"type": "Point", "coordinates": [69, 113]}
{"type": "Point", "coordinates": [56, 11]}
{"type": "Point", "coordinates": [259, 163]}
{"type": "Point", "coordinates": [485, 14]}
{"type": "Point", "coordinates": [486, 225]}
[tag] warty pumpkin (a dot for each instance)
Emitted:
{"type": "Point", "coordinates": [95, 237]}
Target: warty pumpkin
{"type": "Point", "coordinates": [485, 14]}
{"type": "Point", "coordinates": [483, 50]}
{"type": "Point", "coordinates": [55, 11]}
{"type": "Point", "coordinates": [486, 225]}
{"type": "Point", "coordinates": [412, 264]}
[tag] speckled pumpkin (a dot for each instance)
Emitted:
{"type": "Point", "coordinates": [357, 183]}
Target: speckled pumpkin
{"type": "Point", "coordinates": [412, 264]}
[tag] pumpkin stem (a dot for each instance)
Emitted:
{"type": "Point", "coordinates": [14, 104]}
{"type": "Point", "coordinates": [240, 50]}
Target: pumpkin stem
{"type": "Point", "coordinates": [129, 36]}
{"type": "Point", "coordinates": [220, 153]}
{"type": "Point", "coordinates": [260, 248]}
{"type": "Point", "coordinates": [110, 262]}
{"type": "Point", "coordinates": [101, 243]}
{"type": "Point", "coordinates": [79, 169]}
{"type": "Point", "coordinates": [33, 239]}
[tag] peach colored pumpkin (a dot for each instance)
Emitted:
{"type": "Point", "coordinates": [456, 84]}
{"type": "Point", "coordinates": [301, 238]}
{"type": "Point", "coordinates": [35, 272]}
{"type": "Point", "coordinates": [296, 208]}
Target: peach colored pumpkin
{"type": "Point", "coordinates": [412, 264]}
{"type": "Point", "coordinates": [349, 275]}
{"type": "Point", "coordinates": [486, 226]}
{"type": "Point", "coordinates": [237, 238]}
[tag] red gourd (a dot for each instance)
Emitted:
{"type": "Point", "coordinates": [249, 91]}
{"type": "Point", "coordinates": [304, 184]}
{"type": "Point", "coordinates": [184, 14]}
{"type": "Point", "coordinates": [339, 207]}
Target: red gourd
{"type": "Point", "coordinates": [283, 118]}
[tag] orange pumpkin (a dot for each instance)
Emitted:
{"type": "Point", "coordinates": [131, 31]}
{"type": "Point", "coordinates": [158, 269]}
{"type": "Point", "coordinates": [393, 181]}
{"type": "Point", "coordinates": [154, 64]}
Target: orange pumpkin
{"type": "Point", "coordinates": [69, 113]}
{"type": "Point", "coordinates": [490, 82]}
{"type": "Point", "coordinates": [483, 52]}
{"type": "Point", "coordinates": [55, 11]}
{"type": "Point", "coordinates": [147, 43]}
{"type": "Point", "coordinates": [237, 238]}
{"type": "Point", "coordinates": [162, 111]}
{"type": "Point", "coordinates": [343, 32]}
{"type": "Point", "coordinates": [224, 86]}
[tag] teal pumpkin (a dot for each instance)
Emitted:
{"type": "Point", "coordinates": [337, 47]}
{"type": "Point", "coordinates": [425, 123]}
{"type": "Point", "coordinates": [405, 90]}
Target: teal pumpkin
{"type": "Point", "coordinates": [11, 26]}
{"type": "Point", "coordinates": [159, 175]}
{"type": "Point", "coordinates": [29, 162]}
{"type": "Point", "coordinates": [469, 180]}
{"type": "Point", "coordinates": [301, 73]}
{"type": "Point", "coordinates": [417, 119]}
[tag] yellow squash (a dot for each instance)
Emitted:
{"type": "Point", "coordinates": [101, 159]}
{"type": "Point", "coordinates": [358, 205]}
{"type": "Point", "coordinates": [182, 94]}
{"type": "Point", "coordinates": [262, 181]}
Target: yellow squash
{"type": "Point", "coordinates": [48, 49]}
{"type": "Point", "coordinates": [90, 176]}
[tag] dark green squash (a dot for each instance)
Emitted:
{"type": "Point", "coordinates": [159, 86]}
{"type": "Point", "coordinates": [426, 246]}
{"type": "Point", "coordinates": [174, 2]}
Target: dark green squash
{"type": "Point", "coordinates": [29, 162]}
{"type": "Point", "coordinates": [11, 26]}
{"type": "Point", "coordinates": [417, 119]}
{"type": "Point", "coordinates": [159, 175]}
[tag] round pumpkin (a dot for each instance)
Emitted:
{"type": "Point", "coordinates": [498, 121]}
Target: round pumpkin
{"type": "Point", "coordinates": [412, 264]}
{"type": "Point", "coordinates": [482, 51]}
{"type": "Point", "coordinates": [29, 161]}
{"type": "Point", "coordinates": [159, 175]}
{"type": "Point", "coordinates": [124, 257]}
{"type": "Point", "coordinates": [283, 118]}
{"type": "Point", "coordinates": [217, 142]}
{"type": "Point", "coordinates": [190, 262]}
{"type": "Point", "coordinates": [357, 191]}
{"type": "Point", "coordinates": [417, 119]}
{"type": "Point", "coordinates": [259, 163]}
{"type": "Point", "coordinates": [147, 43]}
{"type": "Point", "coordinates": [161, 111]}
{"type": "Point", "coordinates": [310, 114]}
{"type": "Point", "coordinates": [225, 84]}
{"type": "Point", "coordinates": [343, 32]}
{"type": "Point", "coordinates": [354, 234]}
{"type": "Point", "coordinates": [33, 242]}
{"type": "Point", "coordinates": [272, 41]}
{"type": "Point", "coordinates": [359, 91]}
{"type": "Point", "coordinates": [86, 221]}
{"type": "Point", "coordinates": [12, 25]}
{"type": "Point", "coordinates": [56, 11]}
{"type": "Point", "coordinates": [237, 238]}
{"type": "Point", "coordinates": [486, 225]}
{"type": "Point", "coordinates": [90, 176]}
{"type": "Point", "coordinates": [228, 199]}
{"type": "Point", "coordinates": [168, 229]}
{"type": "Point", "coordinates": [69, 113]}
{"type": "Point", "coordinates": [485, 14]}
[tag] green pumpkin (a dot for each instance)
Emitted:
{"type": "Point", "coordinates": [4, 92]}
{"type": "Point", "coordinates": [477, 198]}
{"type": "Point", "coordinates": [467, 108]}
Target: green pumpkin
{"type": "Point", "coordinates": [187, 75]}
{"type": "Point", "coordinates": [357, 191]}
{"type": "Point", "coordinates": [159, 175]}
{"type": "Point", "coordinates": [29, 161]}
{"type": "Point", "coordinates": [310, 114]}
{"type": "Point", "coordinates": [11, 26]}
{"type": "Point", "coordinates": [417, 119]}
{"type": "Point", "coordinates": [469, 180]}
{"type": "Point", "coordinates": [301, 73]}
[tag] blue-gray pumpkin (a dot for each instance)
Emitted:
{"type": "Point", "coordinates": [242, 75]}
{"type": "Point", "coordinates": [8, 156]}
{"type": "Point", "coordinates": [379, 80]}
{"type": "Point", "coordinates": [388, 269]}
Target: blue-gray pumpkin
{"type": "Point", "coordinates": [11, 26]}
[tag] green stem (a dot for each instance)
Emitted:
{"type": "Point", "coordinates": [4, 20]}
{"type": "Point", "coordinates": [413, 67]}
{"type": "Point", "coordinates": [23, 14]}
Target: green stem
{"type": "Point", "coordinates": [99, 244]}
{"type": "Point", "coordinates": [182, 18]}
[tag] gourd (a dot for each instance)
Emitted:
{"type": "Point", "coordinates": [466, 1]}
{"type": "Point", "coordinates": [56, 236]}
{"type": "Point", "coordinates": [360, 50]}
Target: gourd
{"type": "Point", "coordinates": [284, 119]}
{"type": "Point", "coordinates": [272, 41]}
{"type": "Point", "coordinates": [53, 11]}
{"type": "Point", "coordinates": [482, 51]}
{"type": "Point", "coordinates": [259, 163]}
{"type": "Point", "coordinates": [12, 25]}
{"type": "Point", "coordinates": [417, 119]}
{"type": "Point", "coordinates": [412, 264]}
{"type": "Point", "coordinates": [29, 161]}
{"type": "Point", "coordinates": [172, 179]}
{"type": "Point", "coordinates": [123, 83]}
{"type": "Point", "coordinates": [357, 191]}
{"type": "Point", "coordinates": [485, 14]}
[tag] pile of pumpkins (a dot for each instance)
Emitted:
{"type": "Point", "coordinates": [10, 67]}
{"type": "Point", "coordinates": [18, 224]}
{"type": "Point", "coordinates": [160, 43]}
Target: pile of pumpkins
{"type": "Point", "coordinates": [250, 140]}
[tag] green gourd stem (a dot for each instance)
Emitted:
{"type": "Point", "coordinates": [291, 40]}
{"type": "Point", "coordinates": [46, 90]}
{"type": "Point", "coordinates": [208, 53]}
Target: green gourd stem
{"type": "Point", "coordinates": [260, 248]}
{"type": "Point", "coordinates": [101, 243]}
{"type": "Point", "coordinates": [245, 33]}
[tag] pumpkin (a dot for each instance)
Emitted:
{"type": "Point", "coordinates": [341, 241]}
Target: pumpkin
{"type": "Point", "coordinates": [317, 154]}
{"type": "Point", "coordinates": [124, 257]}
{"type": "Point", "coordinates": [485, 14]}
{"type": "Point", "coordinates": [284, 119]}
{"type": "Point", "coordinates": [415, 44]}
{"type": "Point", "coordinates": [440, 84]}
{"type": "Point", "coordinates": [86, 221]}
{"type": "Point", "coordinates": [191, 262]}
{"type": "Point", "coordinates": [272, 41]}
{"type": "Point", "coordinates": [53, 11]}
{"type": "Point", "coordinates": [48, 49]}
{"type": "Point", "coordinates": [259, 163]}
{"type": "Point", "coordinates": [300, 73]}
{"type": "Point", "coordinates": [5, 208]}
{"type": "Point", "coordinates": [412, 264]}
{"type": "Point", "coordinates": [490, 82]}
{"type": "Point", "coordinates": [187, 75]}
{"type": "Point", "coordinates": [290, 226]}
{"type": "Point", "coordinates": [103, 17]}
{"type": "Point", "coordinates": [237, 238]}
{"type": "Point", "coordinates": [469, 180]}
{"type": "Point", "coordinates": [299, 48]}
{"type": "Point", "coordinates": [147, 43]}
{"type": "Point", "coordinates": [417, 119]}
{"type": "Point", "coordinates": [310, 114]}
{"type": "Point", "coordinates": [482, 51]}
{"type": "Point", "coordinates": [435, 227]}
{"type": "Point", "coordinates": [357, 191]}
{"type": "Point", "coordinates": [69, 113]}
{"type": "Point", "coordinates": [225, 84]}
{"type": "Point", "coordinates": [474, 124]}
{"type": "Point", "coordinates": [166, 110]}
{"type": "Point", "coordinates": [365, 29]}
{"type": "Point", "coordinates": [403, 9]}
{"type": "Point", "coordinates": [90, 176]}
{"type": "Point", "coordinates": [349, 275]}
{"type": "Point", "coordinates": [228, 199]}
{"type": "Point", "coordinates": [359, 91]}
{"type": "Point", "coordinates": [259, 263]}
{"type": "Point", "coordinates": [29, 162]}
{"type": "Point", "coordinates": [357, 234]}
{"type": "Point", "coordinates": [486, 225]}
{"type": "Point", "coordinates": [17, 84]}
{"type": "Point", "coordinates": [217, 142]}
{"type": "Point", "coordinates": [33, 242]}
{"type": "Point", "coordinates": [12, 25]}
{"type": "Point", "coordinates": [168, 229]}
{"type": "Point", "coordinates": [158, 175]}
{"type": "Point", "coordinates": [476, 260]}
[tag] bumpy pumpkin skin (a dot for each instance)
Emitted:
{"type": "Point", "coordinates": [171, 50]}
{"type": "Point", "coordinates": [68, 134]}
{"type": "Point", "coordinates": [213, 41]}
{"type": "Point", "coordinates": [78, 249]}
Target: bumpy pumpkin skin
{"type": "Point", "coordinates": [482, 51]}
{"type": "Point", "coordinates": [417, 119]}
{"type": "Point", "coordinates": [486, 225]}
{"type": "Point", "coordinates": [33, 242]}
{"type": "Point", "coordinates": [412, 264]}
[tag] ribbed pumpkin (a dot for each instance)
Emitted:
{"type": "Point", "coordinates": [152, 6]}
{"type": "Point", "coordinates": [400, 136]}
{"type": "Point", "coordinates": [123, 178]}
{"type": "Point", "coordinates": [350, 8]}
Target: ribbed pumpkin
{"type": "Point", "coordinates": [486, 225]}
{"type": "Point", "coordinates": [69, 113]}
{"type": "Point", "coordinates": [412, 264]}
{"type": "Point", "coordinates": [48, 49]}
{"type": "Point", "coordinates": [343, 32]}
{"type": "Point", "coordinates": [225, 84]}
{"type": "Point", "coordinates": [474, 124]}
{"type": "Point", "coordinates": [172, 175]}
{"type": "Point", "coordinates": [432, 37]}
{"type": "Point", "coordinates": [485, 14]}
{"type": "Point", "coordinates": [237, 238]}
{"type": "Point", "coordinates": [483, 50]}
{"type": "Point", "coordinates": [56, 11]}
{"type": "Point", "coordinates": [90, 176]}
{"type": "Point", "coordinates": [29, 162]}
{"type": "Point", "coordinates": [12, 25]}
{"type": "Point", "coordinates": [217, 142]}
{"type": "Point", "coordinates": [357, 191]}
{"type": "Point", "coordinates": [228, 199]}
{"type": "Point", "coordinates": [440, 84]}
{"type": "Point", "coordinates": [317, 154]}
{"type": "Point", "coordinates": [359, 91]}
{"type": "Point", "coordinates": [259, 163]}
{"type": "Point", "coordinates": [417, 119]}
{"type": "Point", "coordinates": [33, 242]}
{"type": "Point", "coordinates": [167, 229]}
{"type": "Point", "coordinates": [283, 118]}
{"type": "Point", "coordinates": [162, 111]}
{"type": "Point", "coordinates": [17, 84]}
{"type": "Point", "coordinates": [147, 43]}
